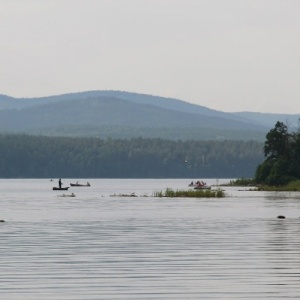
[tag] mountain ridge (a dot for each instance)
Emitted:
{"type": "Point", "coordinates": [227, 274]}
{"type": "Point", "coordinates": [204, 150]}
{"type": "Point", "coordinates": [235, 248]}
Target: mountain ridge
{"type": "Point", "coordinates": [119, 108]}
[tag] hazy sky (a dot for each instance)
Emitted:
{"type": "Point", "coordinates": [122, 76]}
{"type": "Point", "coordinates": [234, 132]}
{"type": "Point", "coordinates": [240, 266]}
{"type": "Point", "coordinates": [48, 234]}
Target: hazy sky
{"type": "Point", "coordinates": [229, 55]}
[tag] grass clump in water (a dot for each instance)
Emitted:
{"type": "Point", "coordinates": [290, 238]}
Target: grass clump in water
{"type": "Point", "coordinates": [241, 182]}
{"type": "Point", "coordinates": [293, 186]}
{"type": "Point", "coordinates": [190, 193]}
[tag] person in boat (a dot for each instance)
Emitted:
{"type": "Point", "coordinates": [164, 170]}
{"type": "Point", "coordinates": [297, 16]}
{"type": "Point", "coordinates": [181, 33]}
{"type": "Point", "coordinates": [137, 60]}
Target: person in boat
{"type": "Point", "coordinates": [59, 183]}
{"type": "Point", "coordinates": [192, 182]}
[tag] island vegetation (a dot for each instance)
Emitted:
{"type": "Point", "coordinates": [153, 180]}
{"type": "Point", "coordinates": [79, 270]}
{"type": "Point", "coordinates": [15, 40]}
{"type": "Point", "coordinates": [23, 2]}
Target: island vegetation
{"type": "Point", "coordinates": [241, 182]}
{"type": "Point", "coordinates": [205, 193]}
{"type": "Point", "coordinates": [292, 186]}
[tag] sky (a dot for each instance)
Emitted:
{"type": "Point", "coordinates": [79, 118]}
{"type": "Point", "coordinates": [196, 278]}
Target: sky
{"type": "Point", "coordinates": [228, 55]}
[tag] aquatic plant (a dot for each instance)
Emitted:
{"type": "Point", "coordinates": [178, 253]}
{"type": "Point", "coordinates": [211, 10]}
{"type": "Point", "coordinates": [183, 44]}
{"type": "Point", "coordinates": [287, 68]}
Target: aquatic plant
{"type": "Point", "coordinates": [190, 193]}
{"type": "Point", "coordinates": [293, 186]}
{"type": "Point", "coordinates": [241, 182]}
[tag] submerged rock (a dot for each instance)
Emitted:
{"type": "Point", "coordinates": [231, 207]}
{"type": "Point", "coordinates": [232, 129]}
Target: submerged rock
{"type": "Point", "coordinates": [281, 217]}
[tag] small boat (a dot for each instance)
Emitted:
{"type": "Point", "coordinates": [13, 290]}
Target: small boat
{"type": "Point", "coordinates": [205, 187]}
{"type": "Point", "coordinates": [198, 185]}
{"type": "Point", "coordinates": [79, 184]}
{"type": "Point", "coordinates": [60, 189]}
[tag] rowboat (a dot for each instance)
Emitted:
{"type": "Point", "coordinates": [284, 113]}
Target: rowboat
{"type": "Point", "coordinates": [60, 189]}
{"type": "Point", "coordinates": [202, 187]}
{"type": "Point", "coordinates": [199, 185]}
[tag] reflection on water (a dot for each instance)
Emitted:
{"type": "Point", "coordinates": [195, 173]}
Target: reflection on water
{"type": "Point", "coordinates": [95, 246]}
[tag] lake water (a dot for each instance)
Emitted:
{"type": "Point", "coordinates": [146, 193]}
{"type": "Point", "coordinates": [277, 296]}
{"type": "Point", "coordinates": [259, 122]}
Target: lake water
{"type": "Point", "coordinates": [94, 246]}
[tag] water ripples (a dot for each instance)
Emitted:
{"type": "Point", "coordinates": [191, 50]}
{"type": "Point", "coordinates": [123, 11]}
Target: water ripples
{"type": "Point", "coordinates": [149, 249]}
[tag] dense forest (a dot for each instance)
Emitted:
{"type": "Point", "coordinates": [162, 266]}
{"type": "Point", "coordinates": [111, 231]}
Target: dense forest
{"type": "Point", "coordinates": [127, 132]}
{"type": "Point", "coordinates": [25, 156]}
{"type": "Point", "coordinates": [282, 152]}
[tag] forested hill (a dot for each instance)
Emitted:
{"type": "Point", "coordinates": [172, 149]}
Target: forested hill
{"type": "Point", "coordinates": [23, 156]}
{"type": "Point", "coordinates": [110, 111]}
{"type": "Point", "coordinates": [117, 114]}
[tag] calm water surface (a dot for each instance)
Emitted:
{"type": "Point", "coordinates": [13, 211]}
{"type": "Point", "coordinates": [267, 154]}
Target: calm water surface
{"type": "Point", "coordinates": [95, 246]}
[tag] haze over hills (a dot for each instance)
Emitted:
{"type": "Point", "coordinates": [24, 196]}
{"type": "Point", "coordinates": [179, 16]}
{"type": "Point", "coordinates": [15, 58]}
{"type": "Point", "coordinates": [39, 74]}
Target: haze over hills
{"type": "Point", "coordinates": [119, 114]}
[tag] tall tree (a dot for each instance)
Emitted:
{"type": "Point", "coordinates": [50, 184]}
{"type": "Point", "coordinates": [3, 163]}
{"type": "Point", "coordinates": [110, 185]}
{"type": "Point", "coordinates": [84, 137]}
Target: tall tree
{"type": "Point", "coordinates": [277, 142]}
{"type": "Point", "coordinates": [282, 152]}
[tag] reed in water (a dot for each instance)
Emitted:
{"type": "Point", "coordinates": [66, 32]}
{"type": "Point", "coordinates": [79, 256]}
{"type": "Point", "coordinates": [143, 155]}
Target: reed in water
{"type": "Point", "coordinates": [190, 193]}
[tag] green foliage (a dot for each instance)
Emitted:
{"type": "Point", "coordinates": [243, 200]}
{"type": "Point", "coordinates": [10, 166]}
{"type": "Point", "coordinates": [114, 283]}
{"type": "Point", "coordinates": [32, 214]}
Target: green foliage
{"type": "Point", "coordinates": [242, 182]}
{"type": "Point", "coordinates": [190, 193]}
{"type": "Point", "coordinates": [282, 152]}
{"type": "Point", "coordinates": [292, 186]}
{"type": "Point", "coordinates": [277, 142]}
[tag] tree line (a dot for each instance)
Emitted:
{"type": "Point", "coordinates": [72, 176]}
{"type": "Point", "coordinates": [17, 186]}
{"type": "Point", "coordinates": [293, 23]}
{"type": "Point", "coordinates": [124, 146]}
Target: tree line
{"type": "Point", "coordinates": [282, 156]}
{"type": "Point", "coordinates": [26, 156]}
